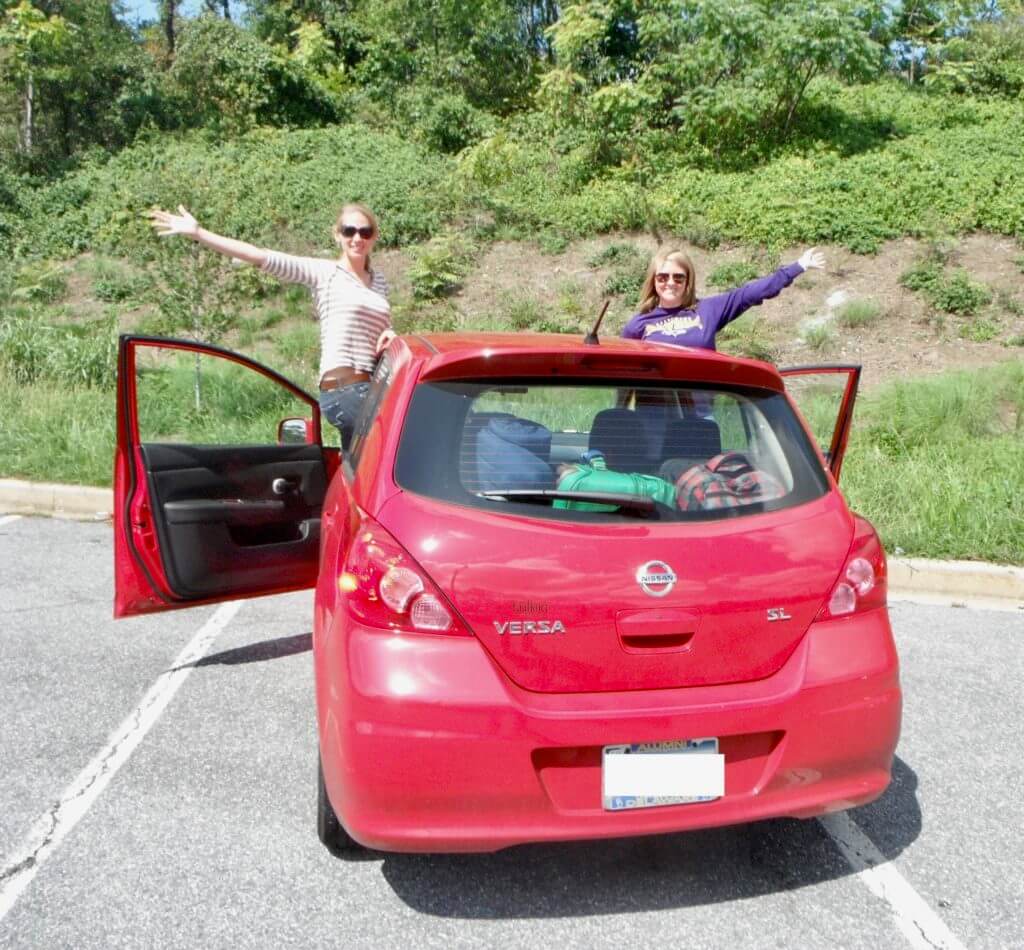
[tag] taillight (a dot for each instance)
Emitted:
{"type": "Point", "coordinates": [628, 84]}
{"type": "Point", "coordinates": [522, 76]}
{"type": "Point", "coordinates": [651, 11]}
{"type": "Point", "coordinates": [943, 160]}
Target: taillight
{"type": "Point", "coordinates": [384, 587]}
{"type": "Point", "coordinates": [862, 584]}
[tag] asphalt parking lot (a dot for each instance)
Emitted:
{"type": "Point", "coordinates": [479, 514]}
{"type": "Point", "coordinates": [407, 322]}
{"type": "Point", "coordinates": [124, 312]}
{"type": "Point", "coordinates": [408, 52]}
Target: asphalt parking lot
{"type": "Point", "coordinates": [153, 796]}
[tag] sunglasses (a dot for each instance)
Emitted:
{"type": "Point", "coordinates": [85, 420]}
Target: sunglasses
{"type": "Point", "coordinates": [350, 230]}
{"type": "Point", "coordinates": [663, 278]}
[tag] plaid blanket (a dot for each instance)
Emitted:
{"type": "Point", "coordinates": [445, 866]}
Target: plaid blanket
{"type": "Point", "coordinates": [726, 481]}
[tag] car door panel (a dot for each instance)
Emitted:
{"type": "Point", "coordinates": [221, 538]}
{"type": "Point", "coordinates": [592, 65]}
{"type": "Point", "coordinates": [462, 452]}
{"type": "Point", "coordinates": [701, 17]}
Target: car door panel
{"type": "Point", "coordinates": [221, 522]}
{"type": "Point", "coordinates": [848, 377]}
{"type": "Point", "coordinates": [202, 523]}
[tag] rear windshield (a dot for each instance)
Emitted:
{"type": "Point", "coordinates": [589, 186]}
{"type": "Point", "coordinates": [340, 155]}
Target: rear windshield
{"type": "Point", "coordinates": [599, 452]}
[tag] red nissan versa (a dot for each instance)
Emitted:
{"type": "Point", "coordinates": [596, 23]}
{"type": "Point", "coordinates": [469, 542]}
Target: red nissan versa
{"type": "Point", "coordinates": [545, 608]}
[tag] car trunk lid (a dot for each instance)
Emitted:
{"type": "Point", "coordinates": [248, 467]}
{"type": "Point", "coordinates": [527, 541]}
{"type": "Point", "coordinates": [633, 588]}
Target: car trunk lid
{"type": "Point", "coordinates": [631, 604]}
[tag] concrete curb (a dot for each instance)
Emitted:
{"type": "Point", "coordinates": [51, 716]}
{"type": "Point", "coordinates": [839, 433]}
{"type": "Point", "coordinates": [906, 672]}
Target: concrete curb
{"type": "Point", "coordinates": [972, 583]}
{"type": "Point", "coordinates": [967, 583]}
{"type": "Point", "coordinates": [58, 501]}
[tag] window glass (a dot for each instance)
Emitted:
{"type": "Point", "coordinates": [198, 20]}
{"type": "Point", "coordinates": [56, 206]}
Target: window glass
{"type": "Point", "coordinates": [380, 382]}
{"type": "Point", "coordinates": [201, 399]}
{"type": "Point", "coordinates": [586, 451]}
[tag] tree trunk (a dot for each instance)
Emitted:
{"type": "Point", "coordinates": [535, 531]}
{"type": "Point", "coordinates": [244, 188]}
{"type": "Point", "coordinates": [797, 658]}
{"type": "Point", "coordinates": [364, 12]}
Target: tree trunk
{"type": "Point", "coordinates": [28, 121]}
{"type": "Point", "coordinates": [167, 13]}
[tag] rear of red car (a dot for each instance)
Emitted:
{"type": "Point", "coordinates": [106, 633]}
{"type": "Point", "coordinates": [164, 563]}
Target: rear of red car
{"type": "Point", "coordinates": [592, 592]}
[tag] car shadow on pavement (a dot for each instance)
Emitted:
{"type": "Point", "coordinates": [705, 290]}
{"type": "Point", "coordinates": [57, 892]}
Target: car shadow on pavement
{"type": "Point", "coordinates": [258, 652]}
{"type": "Point", "coordinates": [649, 873]}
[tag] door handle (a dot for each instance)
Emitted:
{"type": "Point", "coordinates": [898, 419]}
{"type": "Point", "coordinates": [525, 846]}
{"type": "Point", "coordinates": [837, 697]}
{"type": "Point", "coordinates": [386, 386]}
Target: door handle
{"type": "Point", "coordinates": [284, 486]}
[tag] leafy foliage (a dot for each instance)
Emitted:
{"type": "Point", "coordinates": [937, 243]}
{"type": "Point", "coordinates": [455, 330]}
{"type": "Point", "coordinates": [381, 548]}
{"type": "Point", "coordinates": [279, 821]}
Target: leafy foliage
{"type": "Point", "coordinates": [439, 266]}
{"type": "Point", "coordinates": [732, 274]}
{"type": "Point", "coordinates": [954, 294]}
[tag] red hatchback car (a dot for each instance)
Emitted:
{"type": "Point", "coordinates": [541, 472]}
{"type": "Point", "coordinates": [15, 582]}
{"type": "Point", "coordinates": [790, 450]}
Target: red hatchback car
{"type": "Point", "coordinates": [563, 591]}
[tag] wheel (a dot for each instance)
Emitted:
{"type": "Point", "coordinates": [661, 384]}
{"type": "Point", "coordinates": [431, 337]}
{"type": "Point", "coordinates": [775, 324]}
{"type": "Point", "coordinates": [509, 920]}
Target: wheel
{"type": "Point", "coordinates": [329, 830]}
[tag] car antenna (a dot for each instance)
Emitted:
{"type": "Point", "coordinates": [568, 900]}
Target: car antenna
{"type": "Point", "coordinates": [591, 338]}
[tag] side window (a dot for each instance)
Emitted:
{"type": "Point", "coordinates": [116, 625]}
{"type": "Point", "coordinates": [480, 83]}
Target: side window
{"type": "Point", "coordinates": [202, 399]}
{"type": "Point", "coordinates": [380, 382]}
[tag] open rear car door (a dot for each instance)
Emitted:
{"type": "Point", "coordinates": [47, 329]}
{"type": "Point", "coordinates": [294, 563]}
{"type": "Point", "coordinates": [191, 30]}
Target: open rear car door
{"type": "Point", "coordinates": [825, 396]}
{"type": "Point", "coordinates": [213, 499]}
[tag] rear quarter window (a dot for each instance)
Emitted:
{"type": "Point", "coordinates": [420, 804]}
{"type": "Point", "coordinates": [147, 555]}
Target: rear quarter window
{"type": "Point", "coordinates": [583, 451]}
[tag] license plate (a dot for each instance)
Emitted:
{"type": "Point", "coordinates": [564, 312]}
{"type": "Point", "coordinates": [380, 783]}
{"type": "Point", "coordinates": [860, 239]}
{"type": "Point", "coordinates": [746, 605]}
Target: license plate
{"type": "Point", "coordinates": [646, 774]}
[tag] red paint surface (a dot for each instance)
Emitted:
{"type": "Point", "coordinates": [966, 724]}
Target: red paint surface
{"type": "Point", "coordinates": [463, 743]}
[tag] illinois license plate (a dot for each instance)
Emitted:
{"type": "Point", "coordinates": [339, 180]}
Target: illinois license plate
{"type": "Point", "coordinates": [646, 774]}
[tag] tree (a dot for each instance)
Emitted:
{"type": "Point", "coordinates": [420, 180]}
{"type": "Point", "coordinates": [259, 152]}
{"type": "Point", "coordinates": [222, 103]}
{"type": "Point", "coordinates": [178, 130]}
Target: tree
{"type": "Point", "coordinates": [726, 74]}
{"type": "Point", "coordinates": [33, 45]}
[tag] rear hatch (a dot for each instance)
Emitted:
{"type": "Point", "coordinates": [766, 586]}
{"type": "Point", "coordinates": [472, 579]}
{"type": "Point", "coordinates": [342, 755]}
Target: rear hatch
{"type": "Point", "coordinates": [560, 608]}
{"type": "Point", "coordinates": [579, 595]}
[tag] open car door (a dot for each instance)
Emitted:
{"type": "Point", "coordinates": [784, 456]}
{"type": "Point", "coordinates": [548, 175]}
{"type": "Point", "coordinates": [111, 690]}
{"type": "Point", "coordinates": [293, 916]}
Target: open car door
{"type": "Point", "coordinates": [825, 396]}
{"type": "Point", "coordinates": [213, 499]}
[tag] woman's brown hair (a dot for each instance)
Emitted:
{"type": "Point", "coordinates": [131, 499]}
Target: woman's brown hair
{"type": "Point", "coordinates": [366, 213]}
{"type": "Point", "coordinates": [648, 296]}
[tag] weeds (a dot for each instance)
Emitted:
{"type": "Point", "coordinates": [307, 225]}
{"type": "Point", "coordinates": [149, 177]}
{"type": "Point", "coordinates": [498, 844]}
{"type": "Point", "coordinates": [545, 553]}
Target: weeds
{"type": "Point", "coordinates": [732, 274]}
{"type": "Point", "coordinates": [439, 266]}
{"type": "Point", "coordinates": [819, 337]}
{"type": "Point", "coordinates": [979, 331]}
{"type": "Point", "coordinates": [955, 294]}
{"type": "Point", "coordinates": [858, 313]}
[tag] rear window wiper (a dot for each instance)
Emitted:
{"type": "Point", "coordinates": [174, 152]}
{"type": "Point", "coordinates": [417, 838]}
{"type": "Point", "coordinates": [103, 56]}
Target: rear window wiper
{"type": "Point", "coordinates": [628, 502]}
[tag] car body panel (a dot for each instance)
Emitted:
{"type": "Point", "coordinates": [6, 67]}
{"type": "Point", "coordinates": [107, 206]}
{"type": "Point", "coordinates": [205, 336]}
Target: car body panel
{"type": "Point", "coordinates": [502, 571]}
{"type": "Point", "coordinates": [433, 742]}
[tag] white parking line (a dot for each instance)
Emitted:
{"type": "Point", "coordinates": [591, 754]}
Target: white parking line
{"type": "Point", "coordinates": [919, 923]}
{"type": "Point", "coordinates": [7, 519]}
{"type": "Point", "coordinates": [54, 826]}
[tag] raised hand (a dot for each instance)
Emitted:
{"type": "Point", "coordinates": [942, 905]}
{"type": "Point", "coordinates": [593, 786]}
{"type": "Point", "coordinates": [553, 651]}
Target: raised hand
{"type": "Point", "coordinates": [812, 257]}
{"type": "Point", "coordinates": [165, 223]}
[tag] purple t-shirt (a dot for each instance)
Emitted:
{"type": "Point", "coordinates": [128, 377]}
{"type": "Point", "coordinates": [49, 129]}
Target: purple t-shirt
{"type": "Point", "coordinates": [697, 325]}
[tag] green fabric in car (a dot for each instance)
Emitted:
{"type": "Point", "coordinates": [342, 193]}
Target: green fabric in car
{"type": "Point", "coordinates": [595, 476]}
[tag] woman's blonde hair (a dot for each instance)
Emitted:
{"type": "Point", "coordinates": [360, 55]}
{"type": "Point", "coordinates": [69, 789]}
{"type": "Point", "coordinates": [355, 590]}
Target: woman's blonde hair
{"type": "Point", "coordinates": [648, 295]}
{"type": "Point", "coordinates": [365, 212]}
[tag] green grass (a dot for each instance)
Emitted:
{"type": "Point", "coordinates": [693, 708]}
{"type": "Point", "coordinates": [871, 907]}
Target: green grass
{"type": "Point", "coordinates": [935, 464]}
{"type": "Point", "coordinates": [732, 274]}
{"type": "Point", "coordinates": [858, 313]}
{"type": "Point", "coordinates": [820, 337]}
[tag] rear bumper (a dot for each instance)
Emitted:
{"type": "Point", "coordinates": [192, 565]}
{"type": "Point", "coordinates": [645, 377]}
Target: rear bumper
{"type": "Point", "coordinates": [429, 747]}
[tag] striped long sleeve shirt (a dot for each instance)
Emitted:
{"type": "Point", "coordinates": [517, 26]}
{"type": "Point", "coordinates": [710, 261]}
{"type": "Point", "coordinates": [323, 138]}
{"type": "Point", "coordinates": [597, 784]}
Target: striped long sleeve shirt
{"type": "Point", "coordinates": [351, 315]}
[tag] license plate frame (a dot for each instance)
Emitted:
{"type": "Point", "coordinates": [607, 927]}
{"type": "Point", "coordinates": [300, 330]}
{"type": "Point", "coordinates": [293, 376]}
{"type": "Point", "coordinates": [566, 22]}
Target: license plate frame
{"type": "Point", "coordinates": [671, 761]}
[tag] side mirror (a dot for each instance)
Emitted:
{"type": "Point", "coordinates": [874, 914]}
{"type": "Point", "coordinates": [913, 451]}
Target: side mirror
{"type": "Point", "coordinates": [295, 432]}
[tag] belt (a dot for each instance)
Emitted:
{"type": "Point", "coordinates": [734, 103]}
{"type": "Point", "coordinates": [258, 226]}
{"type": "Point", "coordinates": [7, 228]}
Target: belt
{"type": "Point", "coordinates": [343, 376]}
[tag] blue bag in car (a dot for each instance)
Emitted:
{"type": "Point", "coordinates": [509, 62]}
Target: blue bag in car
{"type": "Point", "coordinates": [513, 453]}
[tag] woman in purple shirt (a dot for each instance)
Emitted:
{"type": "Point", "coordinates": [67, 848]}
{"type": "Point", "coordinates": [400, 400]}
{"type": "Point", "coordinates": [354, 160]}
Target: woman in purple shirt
{"type": "Point", "coordinates": [671, 313]}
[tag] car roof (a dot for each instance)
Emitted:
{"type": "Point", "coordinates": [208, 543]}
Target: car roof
{"type": "Point", "coordinates": [475, 355]}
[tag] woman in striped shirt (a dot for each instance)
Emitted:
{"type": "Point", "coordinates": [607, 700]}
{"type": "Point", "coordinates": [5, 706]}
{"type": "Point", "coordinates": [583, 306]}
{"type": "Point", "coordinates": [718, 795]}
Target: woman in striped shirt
{"type": "Point", "coordinates": [350, 300]}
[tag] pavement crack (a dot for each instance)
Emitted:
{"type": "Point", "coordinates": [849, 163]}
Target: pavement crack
{"type": "Point", "coordinates": [30, 860]}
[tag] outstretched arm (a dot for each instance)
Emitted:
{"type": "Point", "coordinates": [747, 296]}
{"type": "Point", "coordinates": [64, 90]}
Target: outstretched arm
{"type": "Point", "coordinates": [725, 308]}
{"type": "Point", "coordinates": [167, 223]}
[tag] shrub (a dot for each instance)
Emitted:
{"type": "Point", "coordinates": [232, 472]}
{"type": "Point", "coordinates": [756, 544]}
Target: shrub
{"type": "Point", "coordinates": [960, 294]}
{"type": "Point", "coordinates": [112, 284]}
{"type": "Point", "coordinates": [858, 313]}
{"type": "Point", "coordinates": [732, 274]}
{"type": "Point", "coordinates": [1015, 340]}
{"type": "Point", "coordinates": [956, 294]}
{"type": "Point", "coordinates": [40, 282]}
{"type": "Point", "coordinates": [439, 266]}
{"type": "Point", "coordinates": [617, 253]}
{"type": "Point", "coordinates": [979, 331]}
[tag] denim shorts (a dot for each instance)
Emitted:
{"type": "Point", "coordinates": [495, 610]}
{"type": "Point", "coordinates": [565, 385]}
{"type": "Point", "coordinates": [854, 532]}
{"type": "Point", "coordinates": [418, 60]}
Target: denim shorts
{"type": "Point", "coordinates": [341, 408]}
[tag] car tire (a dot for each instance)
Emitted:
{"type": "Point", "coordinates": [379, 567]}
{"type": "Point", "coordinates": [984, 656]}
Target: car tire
{"type": "Point", "coordinates": [329, 830]}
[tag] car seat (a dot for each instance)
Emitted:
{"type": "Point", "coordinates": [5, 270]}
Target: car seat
{"type": "Point", "coordinates": [621, 436]}
{"type": "Point", "coordinates": [689, 441]}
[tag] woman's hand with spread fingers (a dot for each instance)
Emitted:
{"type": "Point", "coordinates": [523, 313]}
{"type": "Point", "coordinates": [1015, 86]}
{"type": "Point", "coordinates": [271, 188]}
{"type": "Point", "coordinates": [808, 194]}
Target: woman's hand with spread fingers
{"type": "Point", "coordinates": [812, 257]}
{"type": "Point", "coordinates": [165, 223]}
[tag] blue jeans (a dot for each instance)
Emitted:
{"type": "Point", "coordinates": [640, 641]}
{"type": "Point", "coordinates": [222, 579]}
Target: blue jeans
{"type": "Point", "coordinates": [341, 408]}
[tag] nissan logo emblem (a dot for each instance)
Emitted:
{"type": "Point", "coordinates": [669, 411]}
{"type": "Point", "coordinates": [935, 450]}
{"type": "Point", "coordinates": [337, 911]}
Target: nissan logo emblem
{"type": "Point", "coordinates": [655, 578]}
